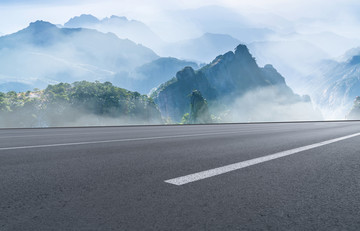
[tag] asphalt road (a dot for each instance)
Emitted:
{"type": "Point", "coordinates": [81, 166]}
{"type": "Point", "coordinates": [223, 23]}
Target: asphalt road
{"type": "Point", "coordinates": [114, 178]}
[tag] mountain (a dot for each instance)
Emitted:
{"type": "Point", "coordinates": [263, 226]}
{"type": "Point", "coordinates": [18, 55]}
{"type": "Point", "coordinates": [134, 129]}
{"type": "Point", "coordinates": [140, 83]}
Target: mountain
{"type": "Point", "coordinates": [349, 54]}
{"type": "Point", "coordinates": [203, 48]}
{"type": "Point", "coordinates": [199, 112]}
{"type": "Point", "coordinates": [172, 96]}
{"type": "Point", "coordinates": [153, 74]}
{"type": "Point", "coordinates": [121, 26]}
{"type": "Point", "coordinates": [335, 84]}
{"type": "Point", "coordinates": [150, 75]}
{"type": "Point", "coordinates": [296, 54]}
{"type": "Point", "coordinates": [225, 82]}
{"type": "Point", "coordinates": [45, 53]}
{"type": "Point", "coordinates": [82, 21]}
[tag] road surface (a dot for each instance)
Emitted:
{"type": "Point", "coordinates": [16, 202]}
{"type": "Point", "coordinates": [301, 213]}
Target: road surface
{"type": "Point", "coordinates": [282, 176]}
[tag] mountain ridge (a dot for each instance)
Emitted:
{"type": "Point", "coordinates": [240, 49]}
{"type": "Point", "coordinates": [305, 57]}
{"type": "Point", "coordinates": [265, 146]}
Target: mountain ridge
{"type": "Point", "coordinates": [124, 28]}
{"type": "Point", "coordinates": [227, 78]}
{"type": "Point", "coordinates": [47, 53]}
{"type": "Point", "coordinates": [336, 83]}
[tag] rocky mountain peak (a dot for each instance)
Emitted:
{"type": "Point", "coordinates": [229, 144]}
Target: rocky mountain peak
{"type": "Point", "coordinates": [38, 33]}
{"type": "Point", "coordinates": [41, 25]}
{"type": "Point", "coordinates": [243, 57]}
{"type": "Point", "coordinates": [242, 51]}
{"type": "Point", "coordinates": [186, 73]}
{"type": "Point", "coordinates": [241, 54]}
{"type": "Point", "coordinates": [79, 21]}
{"type": "Point", "coordinates": [225, 79]}
{"type": "Point", "coordinates": [269, 66]}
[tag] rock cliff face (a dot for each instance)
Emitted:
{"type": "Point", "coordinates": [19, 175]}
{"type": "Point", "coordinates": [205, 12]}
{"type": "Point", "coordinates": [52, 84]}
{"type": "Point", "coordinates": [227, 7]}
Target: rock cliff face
{"type": "Point", "coordinates": [173, 97]}
{"type": "Point", "coordinates": [221, 82]}
{"type": "Point", "coordinates": [338, 83]}
{"type": "Point", "coordinates": [236, 72]}
{"type": "Point", "coordinates": [199, 111]}
{"type": "Point", "coordinates": [151, 75]}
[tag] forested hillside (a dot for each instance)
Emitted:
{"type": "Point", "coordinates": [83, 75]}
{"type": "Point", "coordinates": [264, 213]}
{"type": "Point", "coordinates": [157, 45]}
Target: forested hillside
{"type": "Point", "coordinates": [80, 103]}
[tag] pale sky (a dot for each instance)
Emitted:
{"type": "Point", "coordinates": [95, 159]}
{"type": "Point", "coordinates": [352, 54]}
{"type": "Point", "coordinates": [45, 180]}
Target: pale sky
{"type": "Point", "coordinates": [17, 14]}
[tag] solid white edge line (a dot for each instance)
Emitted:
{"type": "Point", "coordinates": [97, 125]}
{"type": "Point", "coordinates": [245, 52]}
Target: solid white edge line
{"type": "Point", "coordinates": [232, 167]}
{"type": "Point", "coordinates": [114, 141]}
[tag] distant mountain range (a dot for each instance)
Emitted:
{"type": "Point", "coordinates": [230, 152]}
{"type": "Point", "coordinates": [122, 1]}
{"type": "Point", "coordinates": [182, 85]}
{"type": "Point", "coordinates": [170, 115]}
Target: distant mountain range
{"type": "Point", "coordinates": [126, 29]}
{"type": "Point", "coordinates": [120, 50]}
{"type": "Point", "coordinates": [150, 75]}
{"type": "Point", "coordinates": [335, 84]}
{"type": "Point", "coordinates": [82, 21]}
{"type": "Point", "coordinates": [201, 49]}
{"type": "Point", "coordinates": [43, 54]}
{"type": "Point", "coordinates": [225, 83]}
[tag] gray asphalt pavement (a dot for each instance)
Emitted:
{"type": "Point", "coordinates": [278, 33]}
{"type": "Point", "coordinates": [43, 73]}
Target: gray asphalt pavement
{"type": "Point", "coordinates": [113, 178]}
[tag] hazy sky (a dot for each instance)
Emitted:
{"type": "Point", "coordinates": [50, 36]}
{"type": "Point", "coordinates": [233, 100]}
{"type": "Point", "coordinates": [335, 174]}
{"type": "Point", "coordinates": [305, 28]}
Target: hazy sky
{"type": "Point", "coordinates": [342, 15]}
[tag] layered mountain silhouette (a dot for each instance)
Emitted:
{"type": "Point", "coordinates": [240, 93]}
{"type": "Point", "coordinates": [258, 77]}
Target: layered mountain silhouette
{"type": "Point", "coordinates": [150, 75]}
{"type": "Point", "coordinates": [43, 54]}
{"type": "Point", "coordinates": [121, 26]}
{"type": "Point", "coordinates": [224, 82]}
{"type": "Point", "coordinates": [336, 84]}
{"type": "Point", "coordinates": [158, 71]}
{"type": "Point", "coordinates": [96, 48]}
{"type": "Point", "coordinates": [82, 21]}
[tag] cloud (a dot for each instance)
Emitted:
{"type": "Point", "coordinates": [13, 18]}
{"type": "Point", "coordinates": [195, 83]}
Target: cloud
{"type": "Point", "coordinates": [46, 2]}
{"type": "Point", "coordinates": [338, 12]}
{"type": "Point", "coordinates": [269, 105]}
